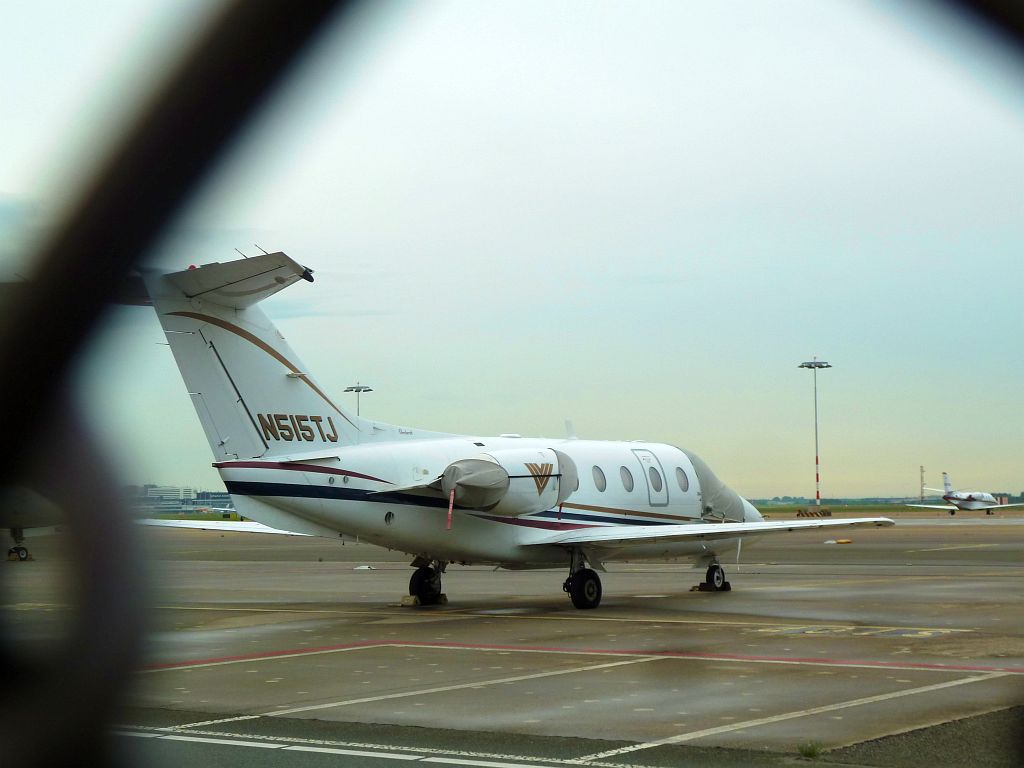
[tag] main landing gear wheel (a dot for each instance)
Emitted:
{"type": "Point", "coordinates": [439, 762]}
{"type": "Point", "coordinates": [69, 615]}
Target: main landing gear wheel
{"type": "Point", "coordinates": [715, 578]}
{"type": "Point", "coordinates": [425, 583]}
{"type": "Point", "coordinates": [584, 588]}
{"type": "Point", "coordinates": [17, 553]}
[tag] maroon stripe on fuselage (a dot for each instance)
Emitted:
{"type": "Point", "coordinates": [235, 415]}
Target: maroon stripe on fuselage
{"type": "Point", "coordinates": [296, 468]}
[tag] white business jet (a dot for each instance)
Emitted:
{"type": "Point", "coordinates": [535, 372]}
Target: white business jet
{"type": "Point", "coordinates": [294, 460]}
{"type": "Point", "coordinates": [963, 500]}
{"type": "Point", "coordinates": [23, 514]}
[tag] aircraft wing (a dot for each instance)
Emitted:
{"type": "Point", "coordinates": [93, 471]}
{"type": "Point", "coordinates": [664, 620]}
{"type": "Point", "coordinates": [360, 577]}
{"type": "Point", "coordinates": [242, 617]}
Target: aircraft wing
{"type": "Point", "coordinates": [936, 506]}
{"type": "Point", "coordinates": [238, 526]}
{"type": "Point", "coordinates": [618, 536]}
{"type": "Point", "coordinates": [1003, 506]}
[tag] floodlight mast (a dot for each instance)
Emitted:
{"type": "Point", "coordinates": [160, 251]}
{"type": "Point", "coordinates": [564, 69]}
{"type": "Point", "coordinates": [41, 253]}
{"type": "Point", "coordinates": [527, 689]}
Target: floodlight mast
{"type": "Point", "coordinates": [814, 365]}
{"type": "Point", "coordinates": [358, 389]}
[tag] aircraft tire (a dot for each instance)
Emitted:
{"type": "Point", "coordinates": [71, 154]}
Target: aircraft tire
{"type": "Point", "coordinates": [585, 589]}
{"type": "Point", "coordinates": [20, 552]}
{"type": "Point", "coordinates": [715, 577]}
{"type": "Point", "coordinates": [425, 583]}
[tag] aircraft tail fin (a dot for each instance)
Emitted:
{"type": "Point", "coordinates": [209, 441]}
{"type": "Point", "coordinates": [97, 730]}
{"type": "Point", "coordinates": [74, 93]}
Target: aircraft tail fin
{"type": "Point", "coordinates": [253, 395]}
{"type": "Point", "coordinates": [946, 484]}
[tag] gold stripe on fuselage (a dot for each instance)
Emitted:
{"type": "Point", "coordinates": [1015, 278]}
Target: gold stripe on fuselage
{"type": "Point", "coordinates": [629, 512]}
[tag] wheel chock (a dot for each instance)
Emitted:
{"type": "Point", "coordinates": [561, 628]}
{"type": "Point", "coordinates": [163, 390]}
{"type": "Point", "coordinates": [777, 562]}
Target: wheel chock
{"type": "Point", "coordinates": [413, 601]}
{"type": "Point", "coordinates": [705, 587]}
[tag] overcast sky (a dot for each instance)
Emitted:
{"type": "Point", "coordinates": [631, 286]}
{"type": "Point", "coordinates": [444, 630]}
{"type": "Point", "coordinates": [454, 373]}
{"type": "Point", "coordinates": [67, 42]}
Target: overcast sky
{"type": "Point", "coordinates": [638, 216]}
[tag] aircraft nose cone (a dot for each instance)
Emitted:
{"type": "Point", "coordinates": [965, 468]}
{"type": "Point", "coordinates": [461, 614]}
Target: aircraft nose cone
{"type": "Point", "coordinates": [750, 513]}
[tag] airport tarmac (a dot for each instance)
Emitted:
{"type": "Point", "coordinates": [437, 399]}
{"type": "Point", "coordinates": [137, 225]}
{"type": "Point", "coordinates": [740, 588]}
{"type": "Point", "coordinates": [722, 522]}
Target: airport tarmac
{"type": "Point", "coordinates": [288, 651]}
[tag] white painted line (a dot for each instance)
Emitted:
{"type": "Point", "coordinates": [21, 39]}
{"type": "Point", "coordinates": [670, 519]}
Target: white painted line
{"type": "Point", "coordinates": [724, 658]}
{"type": "Point", "coordinates": [953, 546]}
{"type": "Point", "coordinates": [212, 722]}
{"type": "Point", "coordinates": [455, 613]}
{"type": "Point", "coordinates": [286, 741]}
{"type": "Point", "coordinates": [229, 742]}
{"type": "Point", "coordinates": [137, 734]}
{"type": "Point", "coordinates": [352, 752]}
{"type": "Point", "coordinates": [222, 609]}
{"type": "Point", "coordinates": [460, 686]}
{"type": "Point", "coordinates": [412, 754]}
{"type": "Point", "coordinates": [233, 742]}
{"type": "Point", "coordinates": [706, 622]}
{"type": "Point", "coordinates": [692, 735]}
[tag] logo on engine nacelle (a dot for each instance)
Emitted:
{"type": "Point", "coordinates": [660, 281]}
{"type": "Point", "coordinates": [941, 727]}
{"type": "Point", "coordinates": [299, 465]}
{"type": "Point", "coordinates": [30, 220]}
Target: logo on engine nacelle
{"type": "Point", "coordinates": [541, 475]}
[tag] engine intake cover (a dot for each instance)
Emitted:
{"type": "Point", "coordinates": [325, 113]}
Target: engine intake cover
{"type": "Point", "coordinates": [478, 483]}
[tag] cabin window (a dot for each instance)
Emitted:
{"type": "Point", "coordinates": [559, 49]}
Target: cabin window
{"type": "Point", "coordinates": [655, 476]}
{"type": "Point", "coordinates": [682, 479]}
{"type": "Point", "coordinates": [599, 480]}
{"type": "Point", "coordinates": [627, 478]}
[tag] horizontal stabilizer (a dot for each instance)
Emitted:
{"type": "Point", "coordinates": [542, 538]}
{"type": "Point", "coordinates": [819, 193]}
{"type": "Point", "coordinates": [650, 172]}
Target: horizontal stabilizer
{"type": "Point", "coordinates": [238, 526]}
{"type": "Point", "coordinates": [299, 457]}
{"type": "Point", "coordinates": [241, 283]}
{"type": "Point", "coordinates": [619, 536]}
{"type": "Point", "coordinates": [431, 489]}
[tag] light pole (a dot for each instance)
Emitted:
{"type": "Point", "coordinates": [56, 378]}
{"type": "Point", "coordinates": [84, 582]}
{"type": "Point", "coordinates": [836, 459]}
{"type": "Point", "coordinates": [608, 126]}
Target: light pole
{"type": "Point", "coordinates": [358, 389]}
{"type": "Point", "coordinates": [814, 365]}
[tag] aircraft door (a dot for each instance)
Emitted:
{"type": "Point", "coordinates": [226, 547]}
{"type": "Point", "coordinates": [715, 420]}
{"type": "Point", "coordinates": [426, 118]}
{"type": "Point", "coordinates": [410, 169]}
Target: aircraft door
{"type": "Point", "coordinates": [654, 476]}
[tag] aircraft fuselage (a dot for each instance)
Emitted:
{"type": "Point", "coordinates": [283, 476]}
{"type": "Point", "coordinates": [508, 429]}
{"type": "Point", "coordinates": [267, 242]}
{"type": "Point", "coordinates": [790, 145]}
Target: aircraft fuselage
{"type": "Point", "coordinates": [363, 491]}
{"type": "Point", "coordinates": [971, 501]}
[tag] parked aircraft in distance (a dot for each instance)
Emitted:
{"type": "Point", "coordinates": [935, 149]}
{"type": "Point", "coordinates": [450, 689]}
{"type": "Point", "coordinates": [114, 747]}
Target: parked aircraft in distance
{"type": "Point", "coordinates": [23, 510]}
{"type": "Point", "coordinates": [963, 500]}
{"type": "Point", "coordinates": [294, 460]}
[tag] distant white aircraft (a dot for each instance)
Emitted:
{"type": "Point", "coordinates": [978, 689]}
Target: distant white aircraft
{"type": "Point", "coordinates": [24, 510]}
{"type": "Point", "coordinates": [295, 461]}
{"type": "Point", "coordinates": [963, 500]}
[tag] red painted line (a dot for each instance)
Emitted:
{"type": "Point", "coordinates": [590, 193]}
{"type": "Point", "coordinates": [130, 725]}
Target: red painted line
{"type": "Point", "coordinates": [265, 655]}
{"type": "Point", "coordinates": [696, 655]}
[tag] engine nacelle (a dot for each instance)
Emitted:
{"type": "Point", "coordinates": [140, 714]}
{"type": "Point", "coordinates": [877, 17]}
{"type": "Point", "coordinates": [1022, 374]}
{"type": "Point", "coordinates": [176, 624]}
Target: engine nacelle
{"type": "Point", "coordinates": [539, 479]}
